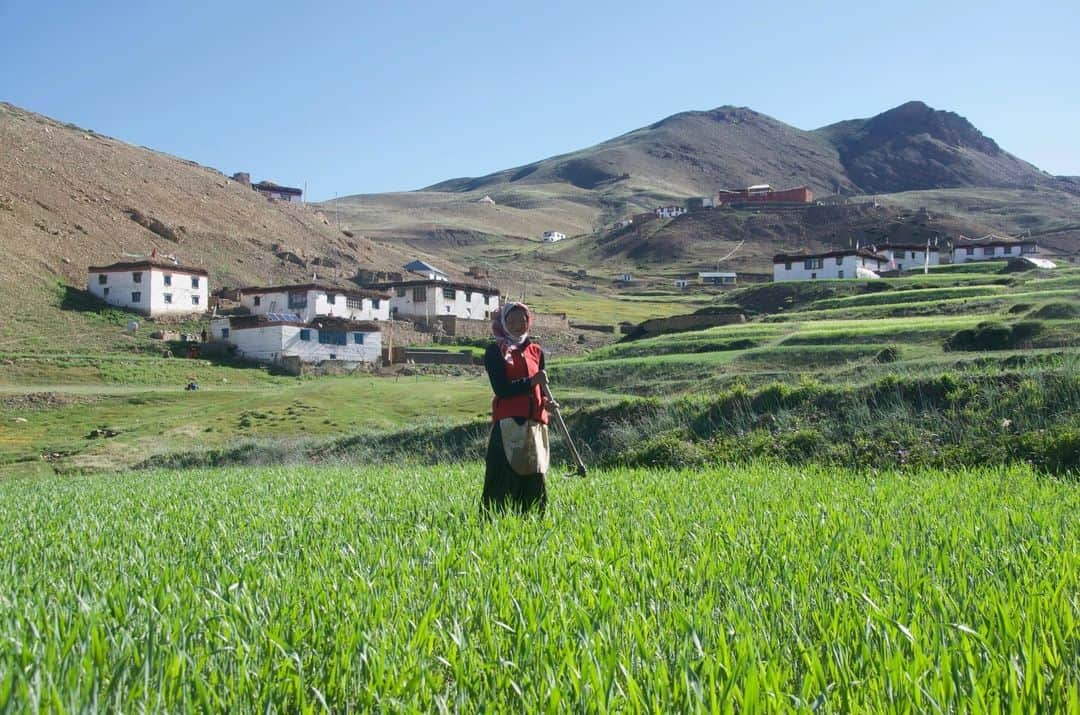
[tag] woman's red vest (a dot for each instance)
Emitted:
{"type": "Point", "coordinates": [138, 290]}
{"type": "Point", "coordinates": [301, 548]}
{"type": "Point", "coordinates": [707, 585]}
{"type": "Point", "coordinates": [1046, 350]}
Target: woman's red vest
{"type": "Point", "coordinates": [526, 363]}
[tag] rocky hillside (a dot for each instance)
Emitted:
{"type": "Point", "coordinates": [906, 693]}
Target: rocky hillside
{"type": "Point", "coordinates": [916, 147]}
{"type": "Point", "coordinates": [70, 198]}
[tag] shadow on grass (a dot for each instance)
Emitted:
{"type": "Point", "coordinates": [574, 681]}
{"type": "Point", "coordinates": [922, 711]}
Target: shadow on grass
{"type": "Point", "coordinates": [83, 301]}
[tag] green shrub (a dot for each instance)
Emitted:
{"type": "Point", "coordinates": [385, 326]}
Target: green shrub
{"type": "Point", "coordinates": [669, 450]}
{"type": "Point", "coordinates": [889, 354]}
{"type": "Point", "coordinates": [1024, 331]}
{"type": "Point", "coordinates": [990, 335]}
{"type": "Point", "coordinates": [1058, 311]}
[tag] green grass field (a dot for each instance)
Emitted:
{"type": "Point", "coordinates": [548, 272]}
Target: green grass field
{"type": "Point", "coordinates": [756, 588]}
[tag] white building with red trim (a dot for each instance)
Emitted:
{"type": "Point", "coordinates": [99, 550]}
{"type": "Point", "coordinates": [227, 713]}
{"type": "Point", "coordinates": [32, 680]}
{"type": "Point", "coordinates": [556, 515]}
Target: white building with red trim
{"type": "Point", "coordinates": [312, 300]}
{"type": "Point", "coordinates": [274, 337]}
{"type": "Point", "coordinates": [992, 248]}
{"type": "Point", "coordinates": [151, 287]}
{"type": "Point", "coordinates": [845, 264]}
{"type": "Point", "coordinates": [429, 299]}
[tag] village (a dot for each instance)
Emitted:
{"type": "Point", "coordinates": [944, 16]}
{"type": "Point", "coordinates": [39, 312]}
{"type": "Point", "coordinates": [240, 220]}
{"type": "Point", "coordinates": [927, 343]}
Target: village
{"type": "Point", "coordinates": [391, 318]}
{"type": "Point", "coordinates": [293, 327]}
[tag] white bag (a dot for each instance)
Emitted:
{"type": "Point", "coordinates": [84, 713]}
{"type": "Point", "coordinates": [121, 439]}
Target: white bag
{"type": "Point", "coordinates": [526, 446]}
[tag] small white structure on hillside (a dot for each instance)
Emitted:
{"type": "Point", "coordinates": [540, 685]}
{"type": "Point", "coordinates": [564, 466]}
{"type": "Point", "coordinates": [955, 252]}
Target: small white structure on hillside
{"type": "Point", "coordinates": [272, 338]}
{"type": "Point", "coordinates": [669, 211]}
{"type": "Point", "coordinates": [312, 300]}
{"type": "Point", "coordinates": [553, 236]}
{"type": "Point", "coordinates": [992, 248]}
{"type": "Point", "coordinates": [426, 270]}
{"type": "Point", "coordinates": [717, 278]}
{"type": "Point", "coordinates": [851, 263]}
{"type": "Point", "coordinates": [909, 257]}
{"type": "Point", "coordinates": [271, 190]}
{"type": "Point", "coordinates": [151, 287]}
{"type": "Point", "coordinates": [427, 299]}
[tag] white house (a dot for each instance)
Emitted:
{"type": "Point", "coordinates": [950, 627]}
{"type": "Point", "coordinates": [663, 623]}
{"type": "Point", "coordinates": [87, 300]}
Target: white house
{"type": "Point", "coordinates": [553, 236]}
{"type": "Point", "coordinates": [312, 300]}
{"type": "Point", "coordinates": [682, 283]}
{"type": "Point", "coordinates": [281, 193]}
{"type": "Point", "coordinates": [265, 338]}
{"type": "Point", "coordinates": [151, 287]}
{"type": "Point", "coordinates": [426, 299]}
{"type": "Point", "coordinates": [992, 249]}
{"type": "Point", "coordinates": [851, 263]}
{"type": "Point", "coordinates": [426, 270]}
{"type": "Point", "coordinates": [909, 257]}
{"type": "Point", "coordinates": [669, 211]}
{"type": "Point", "coordinates": [717, 278]}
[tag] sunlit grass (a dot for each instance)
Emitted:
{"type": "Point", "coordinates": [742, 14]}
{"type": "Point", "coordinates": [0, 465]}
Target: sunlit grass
{"type": "Point", "coordinates": [753, 588]}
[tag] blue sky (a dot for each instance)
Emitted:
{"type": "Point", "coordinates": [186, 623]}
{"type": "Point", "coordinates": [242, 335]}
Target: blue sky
{"type": "Point", "coordinates": [380, 96]}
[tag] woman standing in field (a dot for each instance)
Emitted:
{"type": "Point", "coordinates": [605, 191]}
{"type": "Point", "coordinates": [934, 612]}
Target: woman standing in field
{"type": "Point", "coordinates": [518, 452]}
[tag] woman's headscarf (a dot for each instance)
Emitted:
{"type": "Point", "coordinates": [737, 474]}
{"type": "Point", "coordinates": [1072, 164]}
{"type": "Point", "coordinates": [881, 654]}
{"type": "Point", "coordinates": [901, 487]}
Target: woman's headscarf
{"type": "Point", "coordinates": [507, 341]}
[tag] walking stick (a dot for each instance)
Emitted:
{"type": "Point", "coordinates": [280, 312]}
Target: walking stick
{"type": "Point", "coordinates": [561, 425]}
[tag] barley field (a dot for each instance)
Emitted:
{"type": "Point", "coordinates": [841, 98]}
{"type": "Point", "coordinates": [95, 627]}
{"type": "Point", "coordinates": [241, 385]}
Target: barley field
{"type": "Point", "coordinates": [741, 589]}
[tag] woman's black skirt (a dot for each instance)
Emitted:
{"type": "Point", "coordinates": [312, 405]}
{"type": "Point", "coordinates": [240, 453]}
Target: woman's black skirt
{"type": "Point", "coordinates": [504, 487]}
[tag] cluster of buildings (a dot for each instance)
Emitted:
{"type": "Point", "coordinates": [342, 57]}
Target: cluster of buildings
{"type": "Point", "coordinates": [308, 322]}
{"type": "Point", "coordinates": [873, 261]}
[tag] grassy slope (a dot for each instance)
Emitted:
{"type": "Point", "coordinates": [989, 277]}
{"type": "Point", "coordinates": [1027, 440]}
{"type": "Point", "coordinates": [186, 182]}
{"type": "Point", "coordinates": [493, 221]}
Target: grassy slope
{"type": "Point", "coordinates": [369, 589]}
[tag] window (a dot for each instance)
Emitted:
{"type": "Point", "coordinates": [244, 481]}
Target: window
{"type": "Point", "coordinates": [224, 333]}
{"type": "Point", "coordinates": [106, 291]}
{"type": "Point", "coordinates": [305, 334]}
{"type": "Point", "coordinates": [375, 303]}
{"type": "Point", "coordinates": [354, 303]}
{"type": "Point", "coordinates": [468, 296]}
{"type": "Point", "coordinates": [258, 301]}
{"type": "Point", "coordinates": [194, 300]}
{"type": "Point", "coordinates": [787, 266]}
{"type": "Point", "coordinates": [840, 273]}
{"type": "Point", "coordinates": [419, 294]}
{"type": "Point", "coordinates": [168, 298]}
{"type": "Point", "coordinates": [136, 277]}
{"type": "Point", "coordinates": [194, 281]}
{"type": "Point", "coordinates": [913, 255]}
{"type": "Point", "coordinates": [136, 297]}
{"type": "Point", "coordinates": [811, 263]}
{"type": "Point", "coordinates": [332, 337]}
{"type": "Point", "coordinates": [899, 266]}
{"type": "Point", "coordinates": [970, 251]}
{"type": "Point", "coordinates": [297, 300]}
{"type": "Point", "coordinates": [813, 275]}
{"type": "Point", "coordinates": [358, 338]}
{"type": "Point", "coordinates": [1029, 248]}
{"type": "Point", "coordinates": [1008, 249]}
{"type": "Point", "coordinates": [168, 279]}
{"type": "Point", "coordinates": [449, 293]}
{"type": "Point", "coordinates": [988, 250]}
{"type": "Point", "coordinates": [839, 260]}
{"type": "Point", "coordinates": [102, 279]}
{"type": "Point", "coordinates": [400, 292]}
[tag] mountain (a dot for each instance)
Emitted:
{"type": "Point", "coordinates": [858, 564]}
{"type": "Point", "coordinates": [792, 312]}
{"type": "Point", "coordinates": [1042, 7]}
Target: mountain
{"type": "Point", "coordinates": [910, 147]}
{"type": "Point", "coordinates": [915, 147]}
{"type": "Point", "coordinates": [687, 154]}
